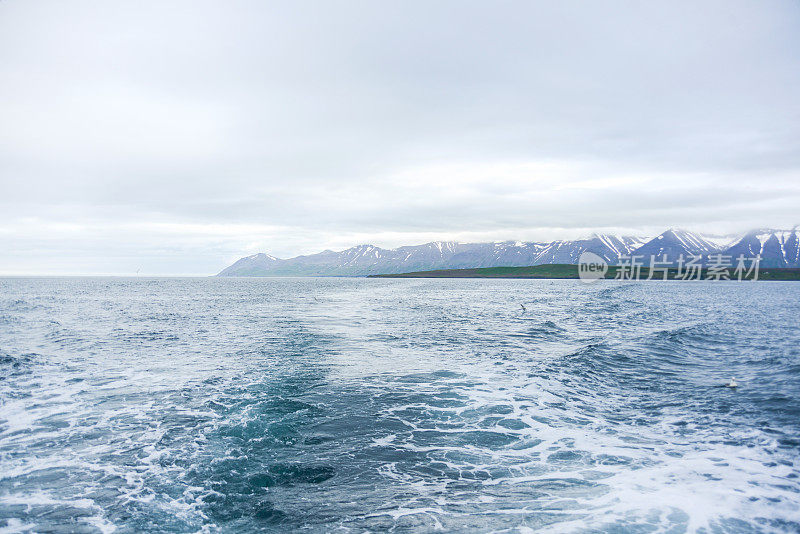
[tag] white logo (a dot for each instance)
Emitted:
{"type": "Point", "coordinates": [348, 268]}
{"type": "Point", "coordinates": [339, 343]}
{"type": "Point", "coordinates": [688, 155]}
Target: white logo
{"type": "Point", "coordinates": [591, 267]}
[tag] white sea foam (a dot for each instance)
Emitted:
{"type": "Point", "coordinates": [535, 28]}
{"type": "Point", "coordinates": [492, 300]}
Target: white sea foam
{"type": "Point", "coordinates": [404, 402]}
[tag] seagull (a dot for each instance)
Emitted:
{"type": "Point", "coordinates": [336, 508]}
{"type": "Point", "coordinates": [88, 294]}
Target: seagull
{"type": "Point", "coordinates": [732, 383]}
{"type": "Point", "coordinates": [524, 309]}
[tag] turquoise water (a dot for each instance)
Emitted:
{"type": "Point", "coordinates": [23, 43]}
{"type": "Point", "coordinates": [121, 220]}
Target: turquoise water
{"type": "Point", "coordinates": [360, 405]}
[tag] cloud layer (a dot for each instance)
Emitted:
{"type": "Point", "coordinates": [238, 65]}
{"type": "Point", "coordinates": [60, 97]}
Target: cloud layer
{"type": "Point", "coordinates": [172, 138]}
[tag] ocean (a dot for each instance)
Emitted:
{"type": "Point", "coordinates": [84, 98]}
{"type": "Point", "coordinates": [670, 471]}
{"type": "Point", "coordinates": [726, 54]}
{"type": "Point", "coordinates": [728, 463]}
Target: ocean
{"type": "Point", "coordinates": [403, 405]}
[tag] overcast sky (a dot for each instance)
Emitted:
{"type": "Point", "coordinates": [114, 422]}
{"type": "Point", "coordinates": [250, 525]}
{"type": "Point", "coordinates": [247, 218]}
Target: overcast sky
{"type": "Point", "coordinates": [174, 137]}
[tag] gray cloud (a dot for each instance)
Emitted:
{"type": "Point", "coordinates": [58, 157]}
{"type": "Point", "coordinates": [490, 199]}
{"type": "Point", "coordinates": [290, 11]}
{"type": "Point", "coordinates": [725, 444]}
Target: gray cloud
{"type": "Point", "coordinates": [174, 137]}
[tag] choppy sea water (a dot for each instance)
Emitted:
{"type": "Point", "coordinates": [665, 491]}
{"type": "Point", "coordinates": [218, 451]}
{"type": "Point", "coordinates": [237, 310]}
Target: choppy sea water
{"type": "Point", "coordinates": [356, 405]}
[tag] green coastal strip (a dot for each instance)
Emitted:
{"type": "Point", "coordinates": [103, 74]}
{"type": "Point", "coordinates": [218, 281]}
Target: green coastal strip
{"type": "Point", "coordinates": [565, 271]}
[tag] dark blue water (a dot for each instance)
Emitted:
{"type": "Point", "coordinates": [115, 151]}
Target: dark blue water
{"type": "Point", "coordinates": [355, 405]}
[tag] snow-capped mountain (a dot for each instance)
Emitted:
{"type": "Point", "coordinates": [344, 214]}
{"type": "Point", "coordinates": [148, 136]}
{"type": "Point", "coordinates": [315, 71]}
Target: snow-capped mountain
{"type": "Point", "coordinates": [778, 248]}
{"type": "Point", "coordinates": [369, 259]}
{"type": "Point", "coordinates": [608, 247]}
{"type": "Point", "coordinates": [674, 243]}
{"type": "Point", "coordinates": [252, 265]}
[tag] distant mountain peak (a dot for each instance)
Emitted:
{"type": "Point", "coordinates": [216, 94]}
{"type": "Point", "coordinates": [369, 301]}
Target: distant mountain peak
{"type": "Point", "coordinates": [778, 248]}
{"type": "Point", "coordinates": [262, 255]}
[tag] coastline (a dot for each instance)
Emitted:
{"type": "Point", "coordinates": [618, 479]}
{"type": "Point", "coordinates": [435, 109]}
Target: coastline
{"type": "Point", "coordinates": [569, 271]}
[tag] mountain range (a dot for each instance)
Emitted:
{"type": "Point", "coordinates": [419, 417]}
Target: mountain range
{"type": "Point", "coordinates": [778, 248]}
